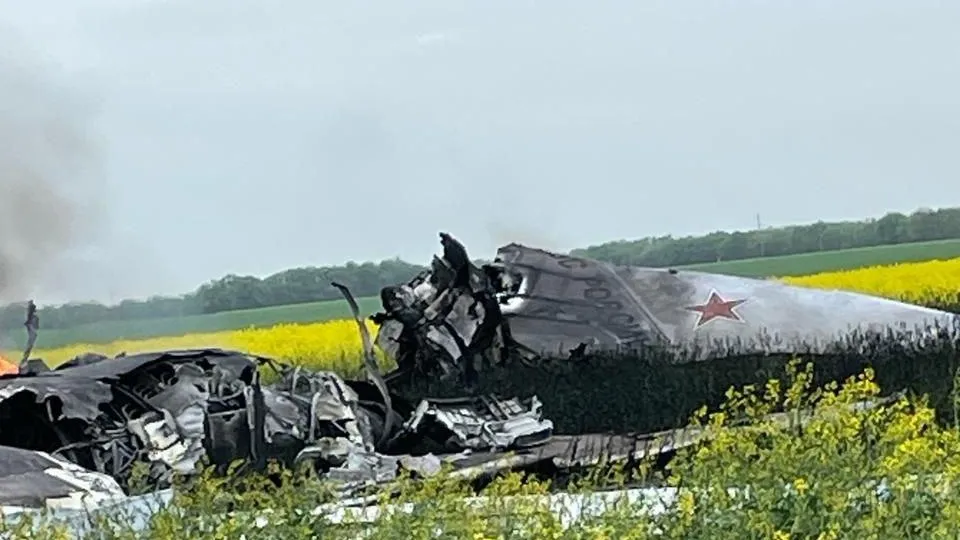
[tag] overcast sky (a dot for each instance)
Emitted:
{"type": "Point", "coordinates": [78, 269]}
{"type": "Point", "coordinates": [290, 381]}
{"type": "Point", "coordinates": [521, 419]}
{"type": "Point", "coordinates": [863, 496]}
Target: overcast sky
{"type": "Point", "coordinates": [241, 136]}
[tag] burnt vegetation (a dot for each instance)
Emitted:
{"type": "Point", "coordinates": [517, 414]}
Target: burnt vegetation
{"type": "Point", "coordinates": [648, 391]}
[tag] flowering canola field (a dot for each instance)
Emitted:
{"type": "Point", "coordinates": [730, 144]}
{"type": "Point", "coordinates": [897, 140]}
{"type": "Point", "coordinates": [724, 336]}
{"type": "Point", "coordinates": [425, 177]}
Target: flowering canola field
{"type": "Point", "coordinates": [329, 345]}
{"type": "Point", "coordinates": [930, 283]}
{"type": "Point", "coordinates": [336, 344]}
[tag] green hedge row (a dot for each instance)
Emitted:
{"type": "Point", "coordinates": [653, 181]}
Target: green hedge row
{"type": "Point", "coordinates": [947, 303]}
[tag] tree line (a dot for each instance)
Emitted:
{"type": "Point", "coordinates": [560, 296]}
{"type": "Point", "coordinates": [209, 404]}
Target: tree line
{"type": "Point", "coordinates": [231, 292]}
{"type": "Point", "coordinates": [311, 284]}
{"type": "Point", "coordinates": [893, 228]}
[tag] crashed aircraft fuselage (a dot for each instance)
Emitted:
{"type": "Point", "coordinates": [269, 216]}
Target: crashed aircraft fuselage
{"type": "Point", "coordinates": [96, 418]}
{"type": "Point", "coordinates": [533, 303]}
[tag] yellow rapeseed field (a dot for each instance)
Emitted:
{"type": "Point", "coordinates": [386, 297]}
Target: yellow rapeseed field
{"type": "Point", "coordinates": [932, 283]}
{"type": "Point", "coordinates": [336, 344]}
{"type": "Point", "coordinates": [330, 345]}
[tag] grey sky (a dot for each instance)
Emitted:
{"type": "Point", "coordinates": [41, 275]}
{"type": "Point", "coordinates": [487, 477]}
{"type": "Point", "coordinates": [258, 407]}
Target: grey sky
{"type": "Point", "coordinates": [251, 136]}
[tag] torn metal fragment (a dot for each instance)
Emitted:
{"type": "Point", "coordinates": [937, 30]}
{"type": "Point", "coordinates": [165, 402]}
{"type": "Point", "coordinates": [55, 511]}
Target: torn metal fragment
{"type": "Point", "coordinates": [370, 361]}
{"type": "Point", "coordinates": [30, 479]}
{"type": "Point", "coordinates": [485, 422]}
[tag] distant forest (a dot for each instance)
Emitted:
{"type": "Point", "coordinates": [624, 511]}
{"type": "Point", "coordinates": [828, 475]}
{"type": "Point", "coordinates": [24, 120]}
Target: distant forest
{"type": "Point", "coordinates": [311, 284]}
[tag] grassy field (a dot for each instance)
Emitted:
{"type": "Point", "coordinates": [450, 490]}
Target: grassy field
{"type": "Point", "coordinates": [793, 265]}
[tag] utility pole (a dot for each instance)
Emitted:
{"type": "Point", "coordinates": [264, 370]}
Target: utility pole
{"type": "Point", "coordinates": [760, 234]}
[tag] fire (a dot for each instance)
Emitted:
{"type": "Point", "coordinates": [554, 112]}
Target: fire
{"type": "Point", "coordinates": [7, 367]}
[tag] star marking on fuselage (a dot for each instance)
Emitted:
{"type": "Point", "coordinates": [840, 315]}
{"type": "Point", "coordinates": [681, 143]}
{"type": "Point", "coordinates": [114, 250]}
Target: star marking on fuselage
{"type": "Point", "coordinates": [716, 307]}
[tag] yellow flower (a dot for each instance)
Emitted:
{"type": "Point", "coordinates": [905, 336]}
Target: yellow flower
{"type": "Point", "coordinates": [800, 485]}
{"type": "Point", "coordinates": [687, 504]}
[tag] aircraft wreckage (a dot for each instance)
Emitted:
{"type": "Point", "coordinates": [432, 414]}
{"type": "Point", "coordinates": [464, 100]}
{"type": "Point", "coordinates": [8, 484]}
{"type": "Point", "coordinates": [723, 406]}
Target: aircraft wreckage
{"type": "Point", "coordinates": [75, 433]}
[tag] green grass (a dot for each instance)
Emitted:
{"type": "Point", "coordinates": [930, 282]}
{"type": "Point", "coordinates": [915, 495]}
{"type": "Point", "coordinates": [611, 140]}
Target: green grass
{"type": "Point", "coordinates": [828, 261]}
{"type": "Point", "coordinates": [791, 265]}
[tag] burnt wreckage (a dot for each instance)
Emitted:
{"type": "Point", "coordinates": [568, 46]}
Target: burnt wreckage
{"type": "Point", "coordinates": [82, 428]}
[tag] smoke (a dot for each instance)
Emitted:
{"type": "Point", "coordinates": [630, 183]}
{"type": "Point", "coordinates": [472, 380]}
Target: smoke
{"type": "Point", "coordinates": [50, 193]}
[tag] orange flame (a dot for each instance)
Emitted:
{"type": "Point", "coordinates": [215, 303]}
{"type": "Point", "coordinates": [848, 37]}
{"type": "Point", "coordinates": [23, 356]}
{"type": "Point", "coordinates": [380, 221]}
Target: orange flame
{"type": "Point", "coordinates": [7, 367]}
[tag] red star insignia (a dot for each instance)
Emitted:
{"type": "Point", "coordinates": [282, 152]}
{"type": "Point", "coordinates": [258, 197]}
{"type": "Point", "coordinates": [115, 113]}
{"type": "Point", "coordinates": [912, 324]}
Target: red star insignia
{"type": "Point", "coordinates": [717, 307]}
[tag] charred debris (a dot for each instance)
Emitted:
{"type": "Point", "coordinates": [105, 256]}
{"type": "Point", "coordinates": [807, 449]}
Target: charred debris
{"type": "Point", "coordinates": [94, 419]}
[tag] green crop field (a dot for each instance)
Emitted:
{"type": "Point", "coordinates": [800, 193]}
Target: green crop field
{"type": "Point", "coordinates": [827, 261]}
{"type": "Point", "coordinates": [808, 263]}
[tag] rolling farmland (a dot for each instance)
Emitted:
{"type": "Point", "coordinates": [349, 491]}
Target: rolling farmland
{"type": "Point", "coordinates": [793, 265]}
